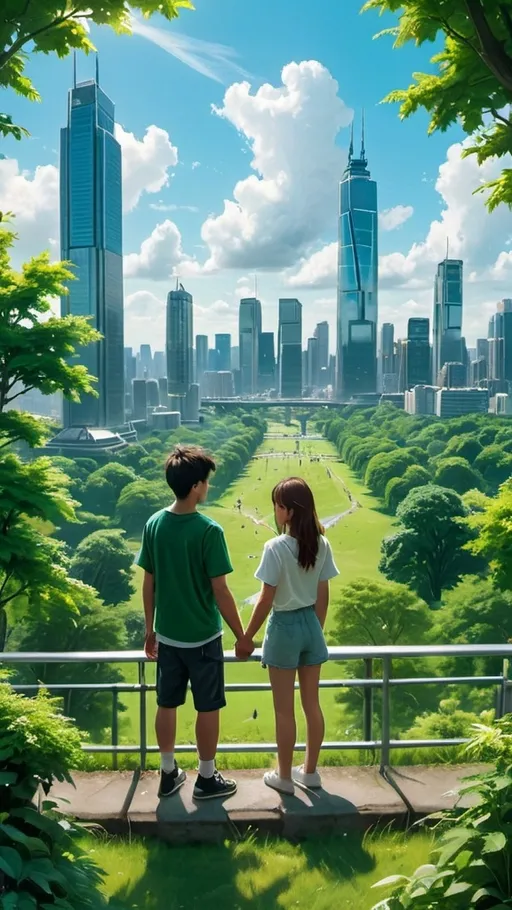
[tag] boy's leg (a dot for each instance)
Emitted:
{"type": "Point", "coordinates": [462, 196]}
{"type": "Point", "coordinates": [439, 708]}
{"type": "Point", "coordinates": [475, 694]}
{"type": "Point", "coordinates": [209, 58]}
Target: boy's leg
{"type": "Point", "coordinates": [165, 727]}
{"type": "Point", "coordinates": [207, 737]}
{"type": "Point", "coordinates": [171, 687]}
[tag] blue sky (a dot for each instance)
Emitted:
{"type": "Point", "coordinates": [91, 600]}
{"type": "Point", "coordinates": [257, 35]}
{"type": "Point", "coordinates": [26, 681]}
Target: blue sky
{"type": "Point", "coordinates": [285, 142]}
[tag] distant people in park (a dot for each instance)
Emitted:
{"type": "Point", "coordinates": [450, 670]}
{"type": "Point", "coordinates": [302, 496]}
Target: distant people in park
{"type": "Point", "coordinates": [295, 570]}
{"type": "Point", "coordinates": [185, 594]}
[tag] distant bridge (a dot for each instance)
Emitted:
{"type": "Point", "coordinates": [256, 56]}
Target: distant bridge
{"type": "Point", "coordinates": [232, 403]}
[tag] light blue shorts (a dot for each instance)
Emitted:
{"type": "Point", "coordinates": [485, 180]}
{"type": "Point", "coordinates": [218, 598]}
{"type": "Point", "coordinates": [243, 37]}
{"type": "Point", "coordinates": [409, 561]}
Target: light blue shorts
{"type": "Point", "coordinates": [294, 638]}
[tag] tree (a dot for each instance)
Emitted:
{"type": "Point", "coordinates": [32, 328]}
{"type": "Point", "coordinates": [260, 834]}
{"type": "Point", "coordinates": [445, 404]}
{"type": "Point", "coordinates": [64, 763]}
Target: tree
{"type": "Point", "coordinates": [381, 468]}
{"type": "Point", "coordinates": [138, 501]}
{"type": "Point", "coordinates": [429, 551]}
{"type": "Point", "coordinates": [457, 474]}
{"type": "Point", "coordinates": [104, 486]}
{"type": "Point", "coordinates": [492, 536]}
{"type": "Point", "coordinates": [379, 613]}
{"type": "Point", "coordinates": [494, 464]}
{"type": "Point", "coordinates": [104, 561]}
{"type": "Point", "coordinates": [72, 532]}
{"type": "Point", "coordinates": [58, 28]}
{"type": "Point", "coordinates": [33, 355]}
{"type": "Point", "coordinates": [473, 82]}
{"type": "Point", "coordinates": [398, 487]}
{"type": "Point", "coordinates": [465, 446]}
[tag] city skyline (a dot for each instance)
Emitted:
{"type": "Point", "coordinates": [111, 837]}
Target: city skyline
{"type": "Point", "coordinates": [276, 163]}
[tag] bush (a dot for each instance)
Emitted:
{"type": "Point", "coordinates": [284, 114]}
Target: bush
{"type": "Point", "coordinates": [41, 864]}
{"type": "Point", "coordinates": [472, 859]}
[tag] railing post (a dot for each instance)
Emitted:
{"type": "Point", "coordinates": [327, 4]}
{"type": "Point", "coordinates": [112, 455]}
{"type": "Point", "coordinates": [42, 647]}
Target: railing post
{"type": "Point", "coordinates": [368, 702]}
{"type": "Point", "coordinates": [386, 714]}
{"type": "Point", "coordinates": [142, 714]}
{"type": "Point", "coordinates": [115, 728]}
{"type": "Point", "coordinates": [505, 701]}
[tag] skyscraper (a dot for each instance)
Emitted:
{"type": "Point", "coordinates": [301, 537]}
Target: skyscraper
{"type": "Point", "coordinates": [447, 336]}
{"type": "Point", "coordinates": [322, 335]}
{"type": "Point", "coordinates": [201, 357]}
{"type": "Point", "coordinates": [289, 350]}
{"type": "Point", "coordinates": [92, 239]}
{"type": "Point", "coordinates": [223, 349]}
{"type": "Point", "coordinates": [179, 341]}
{"type": "Point", "coordinates": [266, 363]}
{"type": "Point", "coordinates": [500, 343]}
{"type": "Point", "coordinates": [419, 367]}
{"type": "Point", "coordinates": [312, 373]}
{"type": "Point", "coordinates": [249, 325]}
{"type": "Point", "coordinates": [356, 343]}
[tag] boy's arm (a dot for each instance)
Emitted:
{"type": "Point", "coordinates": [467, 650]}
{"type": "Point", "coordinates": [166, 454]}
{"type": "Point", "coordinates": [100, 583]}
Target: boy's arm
{"type": "Point", "coordinates": [261, 610]}
{"type": "Point", "coordinates": [148, 600]}
{"type": "Point", "coordinates": [229, 612]}
{"type": "Point", "coordinates": [322, 601]}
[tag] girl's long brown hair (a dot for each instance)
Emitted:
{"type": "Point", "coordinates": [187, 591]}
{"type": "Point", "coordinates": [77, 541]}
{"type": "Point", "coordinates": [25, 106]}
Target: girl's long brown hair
{"type": "Point", "coordinates": [294, 494]}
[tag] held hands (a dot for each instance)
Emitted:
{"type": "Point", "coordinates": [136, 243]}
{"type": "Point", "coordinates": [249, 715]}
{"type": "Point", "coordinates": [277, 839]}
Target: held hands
{"type": "Point", "coordinates": [244, 648]}
{"type": "Point", "coordinates": [151, 646]}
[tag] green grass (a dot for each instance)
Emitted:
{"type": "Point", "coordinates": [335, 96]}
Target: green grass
{"type": "Point", "coordinates": [356, 544]}
{"type": "Point", "coordinates": [317, 875]}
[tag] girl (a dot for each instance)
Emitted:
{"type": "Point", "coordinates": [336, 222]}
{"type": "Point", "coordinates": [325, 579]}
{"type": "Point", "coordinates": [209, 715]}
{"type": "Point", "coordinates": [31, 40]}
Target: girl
{"type": "Point", "coordinates": [295, 570]}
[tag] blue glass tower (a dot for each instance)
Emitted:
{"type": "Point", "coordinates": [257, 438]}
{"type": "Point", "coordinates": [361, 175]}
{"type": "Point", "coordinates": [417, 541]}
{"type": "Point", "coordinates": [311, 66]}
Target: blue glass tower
{"type": "Point", "coordinates": [91, 238]}
{"type": "Point", "coordinates": [356, 350]}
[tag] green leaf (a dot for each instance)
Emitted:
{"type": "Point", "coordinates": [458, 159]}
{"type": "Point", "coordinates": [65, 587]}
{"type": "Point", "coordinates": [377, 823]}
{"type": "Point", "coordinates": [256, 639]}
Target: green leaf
{"type": "Point", "coordinates": [494, 842]}
{"type": "Point", "coordinates": [458, 888]}
{"type": "Point", "coordinates": [10, 862]}
{"type": "Point", "coordinates": [390, 880]}
{"type": "Point", "coordinates": [7, 778]}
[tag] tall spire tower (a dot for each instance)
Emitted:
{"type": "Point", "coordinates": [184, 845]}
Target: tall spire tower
{"type": "Point", "coordinates": [356, 350]}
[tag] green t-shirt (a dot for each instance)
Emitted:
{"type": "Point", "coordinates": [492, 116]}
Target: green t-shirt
{"type": "Point", "coordinates": [183, 553]}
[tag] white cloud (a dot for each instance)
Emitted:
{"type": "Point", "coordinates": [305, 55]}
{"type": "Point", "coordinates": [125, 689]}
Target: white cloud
{"type": "Point", "coordinates": [317, 270]}
{"type": "Point", "coordinates": [33, 196]}
{"type": "Point", "coordinates": [145, 163]}
{"type": "Point", "coordinates": [164, 207]}
{"type": "Point", "coordinates": [390, 219]}
{"type": "Point", "coordinates": [144, 320]}
{"type": "Point", "coordinates": [289, 201]}
{"type": "Point", "coordinates": [216, 61]}
{"type": "Point", "coordinates": [160, 256]}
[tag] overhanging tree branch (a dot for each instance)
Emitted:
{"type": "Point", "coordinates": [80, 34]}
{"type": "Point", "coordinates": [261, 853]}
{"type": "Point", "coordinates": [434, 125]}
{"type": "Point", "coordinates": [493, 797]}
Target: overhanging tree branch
{"type": "Point", "coordinates": [492, 50]}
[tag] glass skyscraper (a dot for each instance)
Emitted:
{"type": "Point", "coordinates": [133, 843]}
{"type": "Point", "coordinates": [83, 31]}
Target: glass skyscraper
{"type": "Point", "coordinates": [223, 351]}
{"type": "Point", "coordinates": [289, 351]}
{"type": "Point", "coordinates": [179, 344]}
{"type": "Point", "coordinates": [419, 368]}
{"type": "Point", "coordinates": [356, 349]}
{"type": "Point", "coordinates": [249, 325]}
{"type": "Point", "coordinates": [448, 344]}
{"type": "Point", "coordinates": [92, 239]}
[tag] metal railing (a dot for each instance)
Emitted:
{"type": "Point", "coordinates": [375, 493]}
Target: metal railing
{"type": "Point", "coordinates": [501, 683]}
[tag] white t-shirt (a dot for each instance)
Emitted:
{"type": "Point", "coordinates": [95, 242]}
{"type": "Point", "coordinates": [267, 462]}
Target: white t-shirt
{"type": "Point", "coordinates": [296, 587]}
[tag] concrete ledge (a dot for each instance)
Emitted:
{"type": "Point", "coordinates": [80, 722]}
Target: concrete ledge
{"type": "Point", "coordinates": [356, 798]}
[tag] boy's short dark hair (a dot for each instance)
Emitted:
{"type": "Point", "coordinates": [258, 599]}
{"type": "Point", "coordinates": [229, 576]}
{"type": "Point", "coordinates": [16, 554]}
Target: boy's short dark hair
{"type": "Point", "coordinates": [186, 466]}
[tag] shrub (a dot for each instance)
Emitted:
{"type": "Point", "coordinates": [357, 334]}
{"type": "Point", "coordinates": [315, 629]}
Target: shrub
{"type": "Point", "coordinates": [472, 859]}
{"type": "Point", "coordinates": [41, 864]}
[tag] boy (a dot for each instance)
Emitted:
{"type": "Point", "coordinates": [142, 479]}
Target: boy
{"type": "Point", "coordinates": [185, 561]}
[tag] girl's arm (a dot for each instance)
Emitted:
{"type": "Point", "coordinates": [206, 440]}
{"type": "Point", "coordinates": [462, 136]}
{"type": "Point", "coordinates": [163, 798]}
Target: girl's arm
{"type": "Point", "coordinates": [261, 610]}
{"type": "Point", "coordinates": [322, 601]}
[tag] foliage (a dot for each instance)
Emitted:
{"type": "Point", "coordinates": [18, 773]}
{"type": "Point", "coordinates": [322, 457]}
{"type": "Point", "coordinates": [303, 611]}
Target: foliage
{"type": "Point", "coordinates": [384, 466]}
{"type": "Point", "coordinates": [138, 502]}
{"type": "Point", "coordinates": [379, 613]}
{"type": "Point", "coordinates": [58, 28]}
{"type": "Point", "coordinates": [472, 858]}
{"type": "Point", "coordinates": [428, 552]}
{"type": "Point", "coordinates": [104, 486]}
{"type": "Point", "coordinates": [493, 537]}
{"type": "Point", "coordinates": [104, 561]}
{"type": "Point", "coordinates": [72, 532]}
{"type": "Point", "coordinates": [448, 722]}
{"type": "Point", "coordinates": [472, 84]}
{"type": "Point", "coordinates": [457, 474]}
{"type": "Point", "coordinates": [465, 446]}
{"type": "Point", "coordinates": [495, 464]}
{"type": "Point", "coordinates": [41, 866]}
{"type": "Point", "coordinates": [398, 487]}
{"type": "Point", "coordinates": [91, 628]}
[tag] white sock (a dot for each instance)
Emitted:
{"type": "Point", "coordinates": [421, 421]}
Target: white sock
{"type": "Point", "coordinates": [167, 761]}
{"type": "Point", "coordinates": [206, 768]}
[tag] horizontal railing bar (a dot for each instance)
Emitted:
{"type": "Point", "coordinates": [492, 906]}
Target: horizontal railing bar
{"type": "Point", "coordinates": [354, 652]}
{"type": "Point", "coordinates": [248, 748]}
{"type": "Point", "coordinates": [265, 687]}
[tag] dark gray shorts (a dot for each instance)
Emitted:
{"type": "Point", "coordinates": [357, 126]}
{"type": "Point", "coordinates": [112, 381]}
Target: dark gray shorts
{"type": "Point", "coordinates": [203, 667]}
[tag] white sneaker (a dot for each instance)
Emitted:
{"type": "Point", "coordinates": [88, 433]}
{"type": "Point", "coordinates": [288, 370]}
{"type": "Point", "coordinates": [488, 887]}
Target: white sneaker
{"type": "Point", "coordinates": [272, 779]}
{"type": "Point", "coordinates": [311, 781]}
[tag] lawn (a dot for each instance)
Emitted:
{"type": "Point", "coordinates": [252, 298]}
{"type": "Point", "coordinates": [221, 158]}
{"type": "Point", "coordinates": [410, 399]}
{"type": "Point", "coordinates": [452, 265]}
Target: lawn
{"type": "Point", "coordinates": [356, 543]}
{"type": "Point", "coordinates": [318, 875]}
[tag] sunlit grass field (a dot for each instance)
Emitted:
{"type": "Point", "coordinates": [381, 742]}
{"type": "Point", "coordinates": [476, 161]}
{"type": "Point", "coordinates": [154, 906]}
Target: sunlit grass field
{"type": "Point", "coordinates": [317, 875]}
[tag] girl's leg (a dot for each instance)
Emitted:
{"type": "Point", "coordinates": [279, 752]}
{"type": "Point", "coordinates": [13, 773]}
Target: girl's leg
{"type": "Point", "coordinates": [282, 682]}
{"type": "Point", "coordinates": [309, 678]}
